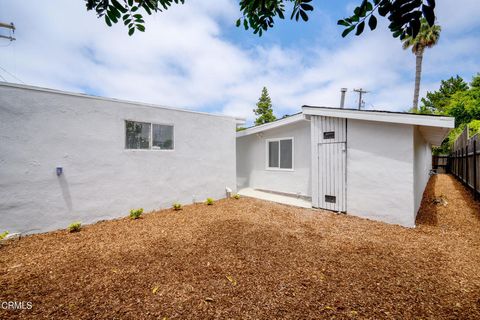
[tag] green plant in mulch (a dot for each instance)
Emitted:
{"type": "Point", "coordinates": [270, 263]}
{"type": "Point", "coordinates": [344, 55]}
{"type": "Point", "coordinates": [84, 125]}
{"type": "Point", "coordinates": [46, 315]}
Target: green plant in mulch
{"type": "Point", "coordinates": [209, 201]}
{"type": "Point", "coordinates": [74, 227]}
{"type": "Point", "coordinates": [236, 196]}
{"type": "Point", "coordinates": [3, 235]}
{"type": "Point", "coordinates": [177, 206]}
{"type": "Point", "coordinates": [136, 213]}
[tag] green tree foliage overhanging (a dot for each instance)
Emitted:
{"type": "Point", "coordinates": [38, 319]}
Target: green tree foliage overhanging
{"type": "Point", "coordinates": [264, 109]}
{"type": "Point", "coordinates": [456, 99]}
{"type": "Point", "coordinates": [260, 15]}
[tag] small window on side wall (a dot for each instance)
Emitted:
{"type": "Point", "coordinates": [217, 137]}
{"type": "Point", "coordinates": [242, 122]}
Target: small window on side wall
{"type": "Point", "coordinates": [137, 135]}
{"type": "Point", "coordinates": [273, 153]}
{"type": "Point", "coordinates": [148, 136]}
{"type": "Point", "coordinates": [162, 137]}
{"type": "Point", "coordinates": [280, 154]}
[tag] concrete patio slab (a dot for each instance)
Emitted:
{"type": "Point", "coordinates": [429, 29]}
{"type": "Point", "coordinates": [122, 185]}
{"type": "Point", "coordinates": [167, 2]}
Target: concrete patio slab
{"type": "Point", "coordinates": [292, 201]}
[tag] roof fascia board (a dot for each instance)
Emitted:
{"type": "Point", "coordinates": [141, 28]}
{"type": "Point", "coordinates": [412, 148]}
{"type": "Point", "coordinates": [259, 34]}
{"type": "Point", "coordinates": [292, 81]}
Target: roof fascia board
{"type": "Point", "coordinates": [86, 96]}
{"type": "Point", "coordinates": [271, 125]}
{"type": "Point", "coordinates": [435, 141]}
{"type": "Point", "coordinates": [412, 119]}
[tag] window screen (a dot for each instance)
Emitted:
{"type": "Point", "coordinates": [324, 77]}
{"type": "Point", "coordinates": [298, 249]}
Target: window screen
{"type": "Point", "coordinates": [144, 135]}
{"type": "Point", "coordinates": [162, 137]}
{"type": "Point", "coordinates": [273, 154]}
{"type": "Point", "coordinates": [280, 154]}
{"type": "Point", "coordinates": [286, 154]}
{"type": "Point", "coordinates": [137, 135]}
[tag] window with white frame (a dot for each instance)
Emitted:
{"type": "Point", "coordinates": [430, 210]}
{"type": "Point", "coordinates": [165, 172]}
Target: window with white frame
{"type": "Point", "coordinates": [149, 136]}
{"type": "Point", "coordinates": [280, 153]}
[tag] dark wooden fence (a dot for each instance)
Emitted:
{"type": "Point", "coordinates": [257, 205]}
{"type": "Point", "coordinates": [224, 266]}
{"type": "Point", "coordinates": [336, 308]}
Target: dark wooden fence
{"type": "Point", "coordinates": [441, 164]}
{"type": "Point", "coordinates": [464, 162]}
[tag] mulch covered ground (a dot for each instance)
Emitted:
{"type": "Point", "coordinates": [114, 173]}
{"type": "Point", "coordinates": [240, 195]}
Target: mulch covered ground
{"type": "Point", "coordinates": [253, 259]}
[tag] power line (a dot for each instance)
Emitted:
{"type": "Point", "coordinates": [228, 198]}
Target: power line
{"type": "Point", "coordinates": [7, 37]}
{"type": "Point", "coordinates": [12, 28]}
{"type": "Point", "coordinates": [12, 75]}
{"type": "Point", "coordinates": [10, 25]}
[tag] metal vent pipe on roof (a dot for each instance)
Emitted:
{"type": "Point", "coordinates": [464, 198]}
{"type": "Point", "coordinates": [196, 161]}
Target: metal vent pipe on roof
{"type": "Point", "coordinates": [342, 99]}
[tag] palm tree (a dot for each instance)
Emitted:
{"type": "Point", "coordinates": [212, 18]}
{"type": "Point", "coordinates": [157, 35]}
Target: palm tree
{"type": "Point", "coordinates": [427, 37]}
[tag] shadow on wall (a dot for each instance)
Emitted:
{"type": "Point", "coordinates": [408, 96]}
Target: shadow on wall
{"type": "Point", "coordinates": [62, 181]}
{"type": "Point", "coordinates": [243, 182]}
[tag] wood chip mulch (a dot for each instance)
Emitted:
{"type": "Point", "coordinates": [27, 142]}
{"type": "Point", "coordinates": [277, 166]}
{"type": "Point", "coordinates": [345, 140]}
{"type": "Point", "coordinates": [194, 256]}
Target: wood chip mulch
{"type": "Point", "coordinates": [251, 259]}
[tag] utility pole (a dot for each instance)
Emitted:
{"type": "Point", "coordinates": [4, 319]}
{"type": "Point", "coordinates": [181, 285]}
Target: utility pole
{"type": "Point", "coordinates": [360, 94]}
{"type": "Point", "coordinates": [10, 26]}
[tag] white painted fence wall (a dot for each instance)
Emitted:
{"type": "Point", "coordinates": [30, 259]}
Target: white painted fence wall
{"type": "Point", "coordinates": [40, 130]}
{"type": "Point", "coordinates": [329, 162]}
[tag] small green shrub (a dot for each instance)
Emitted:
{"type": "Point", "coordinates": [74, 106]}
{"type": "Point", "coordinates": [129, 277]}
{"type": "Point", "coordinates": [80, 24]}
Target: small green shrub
{"type": "Point", "coordinates": [136, 213]}
{"type": "Point", "coordinates": [177, 206]}
{"type": "Point", "coordinates": [3, 235]}
{"type": "Point", "coordinates": [209, 201]}
{"type": "Point", "coordinates": [75, 227]}
{"type": "Point", "coordinates": [236, 196]}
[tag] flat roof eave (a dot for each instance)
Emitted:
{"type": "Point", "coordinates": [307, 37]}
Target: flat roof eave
{"type": "Point", "coordinates": [238, 120]}
{"type": "Point", "coordinates": [271, 125]}
{"type": "Point", "coordinates": [382, 116]}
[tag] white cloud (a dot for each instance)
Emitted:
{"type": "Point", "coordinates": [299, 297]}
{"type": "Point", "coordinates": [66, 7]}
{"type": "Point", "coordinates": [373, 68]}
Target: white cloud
{"type": "Point", "coordinates": [458, 16]}
{"type": "Point", "coordinates": [185, 60]}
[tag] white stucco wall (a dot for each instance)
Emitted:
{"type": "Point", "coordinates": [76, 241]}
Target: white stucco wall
{"type": "Point", "coordinates": [86, 136]}
{"type": "Point", "coordinates": [251, 161]}
{"type": "Point", "coordinates": [380, 178]}
{"type": "Point", "coordinates": [422, 165]}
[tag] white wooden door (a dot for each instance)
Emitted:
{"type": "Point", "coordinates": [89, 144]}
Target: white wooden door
{"type": "Point", "coordinates": [332, 171]}
{"type": "Point", "coordinates": [329, 162]}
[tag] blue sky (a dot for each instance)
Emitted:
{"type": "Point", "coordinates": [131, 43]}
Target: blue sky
{"type": "Point", "coordinates": [194, 57]}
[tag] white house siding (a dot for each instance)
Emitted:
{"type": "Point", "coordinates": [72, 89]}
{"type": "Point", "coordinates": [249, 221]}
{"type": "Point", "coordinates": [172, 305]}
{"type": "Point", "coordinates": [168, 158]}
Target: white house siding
{"type": "Point", "coordinates": [380, 172]}
{"type": "Point", "coordinates": [251, 161]}
{"type": "Point", "coordinates": [422, 165]}
{"type": "Point", "coordinates": [40, 130]}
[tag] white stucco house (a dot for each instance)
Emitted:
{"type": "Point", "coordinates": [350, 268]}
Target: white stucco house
{"type": "Point", "coordinates": [68, 157]}
{"type": "Point", "coordinates": [372, 164]}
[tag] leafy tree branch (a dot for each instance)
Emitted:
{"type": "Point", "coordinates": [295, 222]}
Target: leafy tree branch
{"type": "Point", "coordinates": [260, 15]}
